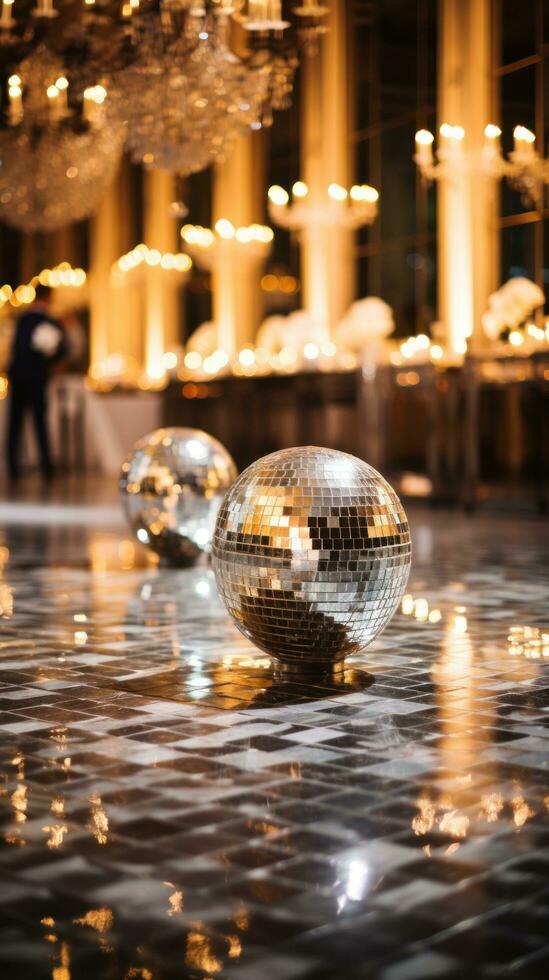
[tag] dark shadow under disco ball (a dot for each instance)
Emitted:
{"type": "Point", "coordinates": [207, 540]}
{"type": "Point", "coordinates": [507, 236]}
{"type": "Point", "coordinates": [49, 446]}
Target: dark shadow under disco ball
{"type": "Point", "coordinates": [311, 554]}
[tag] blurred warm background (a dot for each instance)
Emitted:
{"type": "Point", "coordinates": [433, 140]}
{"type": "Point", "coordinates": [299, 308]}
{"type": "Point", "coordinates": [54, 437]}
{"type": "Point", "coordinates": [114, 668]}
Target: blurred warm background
{"type": "Point", "coordinates": [343, 239]}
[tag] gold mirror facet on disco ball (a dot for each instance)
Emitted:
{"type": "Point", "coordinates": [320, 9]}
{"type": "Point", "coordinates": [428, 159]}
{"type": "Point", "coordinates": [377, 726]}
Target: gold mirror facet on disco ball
{"type": "Point", "coordinates": [311, 554]}
{"type": "Point", "coordinates": [172, 486]}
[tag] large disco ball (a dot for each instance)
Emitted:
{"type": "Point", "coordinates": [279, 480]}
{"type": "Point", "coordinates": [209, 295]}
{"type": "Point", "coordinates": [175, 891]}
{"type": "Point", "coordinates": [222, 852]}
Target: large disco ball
{"type": "Point", "coordinates": [172, 486]}
{"type": "Point", "coordinates": [311, 554]}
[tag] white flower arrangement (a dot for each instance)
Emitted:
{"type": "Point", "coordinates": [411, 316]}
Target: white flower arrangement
{"type": "Point", "coordinates": [368, 321]}
{"type": "Point", "coordinates": [511, 305]}
{"type": "Point", "coordinates": [204, 340]}
{"type": "Point", "coordinates": [294, 331]}
{"type": "Point", "coordinates": [46, 338]}
{"type": "Point", "coordinates": [271, 333]}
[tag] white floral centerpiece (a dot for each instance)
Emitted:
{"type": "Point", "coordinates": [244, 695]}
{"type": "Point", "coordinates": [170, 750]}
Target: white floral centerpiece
{"type": "Point", "coordinates": [511, 305]}
{"type": "Point", "coordinates": [271, 334]}
{"type": "Point", "coordinates": [367, 323]}
{"type": "Point", "coordinates": [295, 331]}
{"type": "Point", "coordinates": [204, 340]}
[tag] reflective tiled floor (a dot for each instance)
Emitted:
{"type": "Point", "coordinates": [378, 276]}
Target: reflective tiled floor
{"type": "Point", "coordinates": [172, 807]}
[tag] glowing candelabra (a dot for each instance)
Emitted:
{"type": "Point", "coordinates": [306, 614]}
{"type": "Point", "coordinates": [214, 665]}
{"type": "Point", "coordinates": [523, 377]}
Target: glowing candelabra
{"type": "Point", "coordinates": [59, 144]}
{"type": "Point", "coordinates": [234, 256]}
{"type": "Point", "coordinates": [525, 169]}
{"type": "Point", "coordinates": [339, 208]}
{"type": "Point", "coordinates": [209, 246]}
{"type": "Point", "coordinates": [142, 257]}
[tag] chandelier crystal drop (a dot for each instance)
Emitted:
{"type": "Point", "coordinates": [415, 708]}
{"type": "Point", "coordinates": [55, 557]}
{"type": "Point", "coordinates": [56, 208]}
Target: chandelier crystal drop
{"type": "Point", "coordinates": [186, 98]}
{"type": "Point", "coordinates": [56, 155]}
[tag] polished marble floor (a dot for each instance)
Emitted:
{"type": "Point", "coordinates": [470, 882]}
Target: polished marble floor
{"type": "Point", "coordinates": [172, 807]}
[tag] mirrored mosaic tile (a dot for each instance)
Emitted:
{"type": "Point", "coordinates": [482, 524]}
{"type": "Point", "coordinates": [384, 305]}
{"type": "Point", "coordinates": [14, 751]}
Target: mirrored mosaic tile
{"type": "Point", "coordinates": [172, 807]}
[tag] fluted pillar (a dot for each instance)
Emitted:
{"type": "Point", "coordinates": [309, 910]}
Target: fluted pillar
{"type": "Point", "coordinates": [126, 301]}
{"type": "Point", "coordinates": [237, 196]}
{"type": "Point", "coordinates": [467, 204]}
{"type": "Point", "coordinates": [104, 250]}
{"type": "Point", "coordinates": [162, 313]}
{"type": "Point", "coordinates": [327, 266]}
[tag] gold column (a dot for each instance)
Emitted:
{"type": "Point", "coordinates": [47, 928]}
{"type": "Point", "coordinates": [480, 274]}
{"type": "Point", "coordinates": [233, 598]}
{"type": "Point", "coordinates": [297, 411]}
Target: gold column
{"type": "Point", "coordinates": [237, 191]}
{"type": "Point", "coordinates": [315, 267]}
{"type": "Point", "coordinates": [162, 315]}
{"type": "Point", "coordinates": [104, 250]}
{"type": "Point", "coordinates": [327, 266]}
{"type": "Point", "coordinates": [467, 204]}
{"type": "Point", "coordinates": [126, 318]}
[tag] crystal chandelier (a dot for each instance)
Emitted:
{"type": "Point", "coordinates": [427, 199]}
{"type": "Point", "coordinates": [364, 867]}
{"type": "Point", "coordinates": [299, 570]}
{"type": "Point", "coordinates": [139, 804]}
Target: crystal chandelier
{"type": "Point", "coordinates": [525, 169]}
{"type": "Point", "coordinates": [83, 74]}
{"type": "Point", "coordinates": [186, 97]}
{"type": "Point", "coordinates": [57, 152]}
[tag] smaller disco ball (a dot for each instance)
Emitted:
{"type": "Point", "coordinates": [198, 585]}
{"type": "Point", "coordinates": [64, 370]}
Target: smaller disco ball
{"type": "Point", "coordinates": [172, 486]}
{"type": "Point", "coordinates": [311, 555]}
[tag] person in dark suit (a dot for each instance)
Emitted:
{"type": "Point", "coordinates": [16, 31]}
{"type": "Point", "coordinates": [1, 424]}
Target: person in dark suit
{"type": "Point", "coordinates": [39, 342]}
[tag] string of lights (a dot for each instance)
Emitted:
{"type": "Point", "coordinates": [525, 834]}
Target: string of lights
{"type": "Point", "coordinates": [198, 237]}
{"type": "Point", "coordinates": [64, 274]}
{"type": "Point", "coordinates": [60, 275]}
{"type": "Point", "coordinates": [142, 254]}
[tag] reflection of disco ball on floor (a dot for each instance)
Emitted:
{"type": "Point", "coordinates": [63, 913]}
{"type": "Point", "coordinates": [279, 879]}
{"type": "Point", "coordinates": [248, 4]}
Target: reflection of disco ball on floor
{"type": "Point", "coordinates": [172, 486]}
{"type": "Point", "coordinates": [311, 554]}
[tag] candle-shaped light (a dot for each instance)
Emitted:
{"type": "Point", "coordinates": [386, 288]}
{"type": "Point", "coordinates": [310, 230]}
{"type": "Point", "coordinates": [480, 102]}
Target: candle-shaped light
{"type": "Point", "coordinates": [524, 140]}
{"type": "Point", "coordinates": [6, 19]}
{"type": "Point", "coordinates": [62, 87]}
{"type": "Point", "coordinates": [44, 9]}
{"type": "Point", "coordinates": [52, 93]}
{"type": "Point", "coordinates": [491, 151]}
{"type": "Point", "coordinates": [337, 192]}
{"type": "Point", "coordinates": [277, 195]}
{"type": "Point", "coordinates": [445, 133]}
{"type": "Point", "coordinates": [225, 229]}
{"type": "Point", "coordinates": [492, 134]}
{"type": "Point", "coordinates": [452, 138]}
{"type": "Point", "coordinates": [300, 189]}
{"type": "Point", "coordinates": [15, 95]}
{"type": "Point", "coordinates": [363, 192]}
{"type": "Point", "coordinates": [424, 147]}
{"type": "Point", "coordinates": [94, 97]}
{"type": "Point", "coordinates": [87, 104]}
